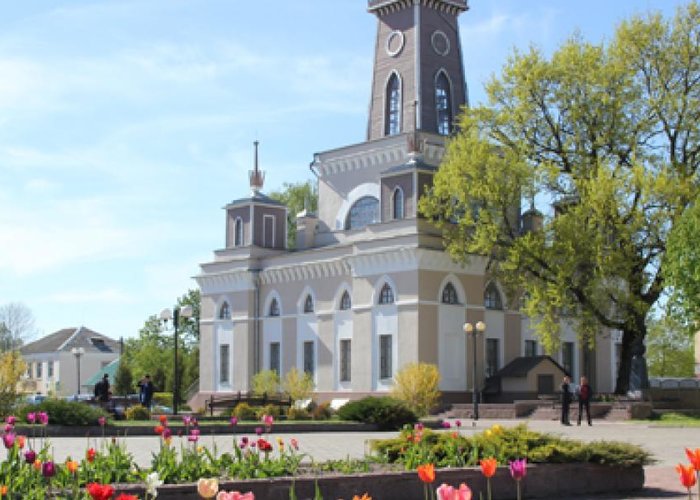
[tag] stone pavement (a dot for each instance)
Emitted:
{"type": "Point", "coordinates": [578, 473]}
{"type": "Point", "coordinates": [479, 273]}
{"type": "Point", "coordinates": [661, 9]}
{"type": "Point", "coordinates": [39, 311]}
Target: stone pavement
{"type": "Point", "coordinates": [667, 444]}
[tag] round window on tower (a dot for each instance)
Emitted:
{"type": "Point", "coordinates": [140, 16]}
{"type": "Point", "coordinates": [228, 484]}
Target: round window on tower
{"type": "Point", "coordinates": [394, 43]}
{"type": "Point", "coordinates": [440, 43]}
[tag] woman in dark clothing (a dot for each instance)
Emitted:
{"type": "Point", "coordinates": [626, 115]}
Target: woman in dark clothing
{"type": "Point", "coordinates": [585, 393]}
{"type": "Point", "coordinates": [565, 400]}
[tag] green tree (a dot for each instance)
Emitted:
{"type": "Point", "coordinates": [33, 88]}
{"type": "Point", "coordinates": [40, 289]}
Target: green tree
{"type": "Point", "coordinates": [297, 197]}
{"type": "Point", "coordinates": [123, 380]}
{"type": "Point", "coordinates": [670, 349]}
{"type": "Point", "coordinates": [607, 132]}
{"type": "Point", "coordinates": [297, 385]}
{"type": "Point", "coordinates": [682, 265]}
{"type": "Point", "coordinates": [12, 366]}
{"type": "Point", "coordinates": [266, 382]}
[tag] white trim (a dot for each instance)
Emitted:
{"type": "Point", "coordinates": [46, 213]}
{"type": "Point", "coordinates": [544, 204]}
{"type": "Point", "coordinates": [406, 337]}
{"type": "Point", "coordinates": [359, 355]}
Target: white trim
{"type": "Point", "coordinates": [377, 288]}
{"type": "Point", "coordinates": [461, 293]}
{"type": "Point", "coordinates": [366, 189]}
{"type": "Point", "coordinates": [252, 226]}
{"type": "Point", "coordinates": [504, 304]}
{"type": "Point", "coordinates": [272, 294]}
{"type": "Point", "coordinates": [435, 34]}
{"type": "Point", "coordinates": [235, 232]}
{"type": "Point", "coordinates": [416, 68]}
{"type": "Point", "coordinates": [402, 38]}
{"type": "Point", "coordinates": [398, 189]}
{"type": "Point", "coordinates": [217, 310]}
{"type": "Point", "coordinates": [302, 298]}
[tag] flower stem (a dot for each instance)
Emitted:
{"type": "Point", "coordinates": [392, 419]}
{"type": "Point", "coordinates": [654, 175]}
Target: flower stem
{"type": "Point", "coordinates": [518, 484]}
{"type": "Point", "coordinates": [488, 487]}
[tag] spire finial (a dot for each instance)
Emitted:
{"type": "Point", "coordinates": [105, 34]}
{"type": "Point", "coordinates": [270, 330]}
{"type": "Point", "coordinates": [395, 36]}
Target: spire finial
{"type": "Point", "coordinates": [256, 176]}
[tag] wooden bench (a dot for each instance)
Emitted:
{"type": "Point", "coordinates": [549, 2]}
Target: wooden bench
{"type": "Point", "coordinates": [230, 401]}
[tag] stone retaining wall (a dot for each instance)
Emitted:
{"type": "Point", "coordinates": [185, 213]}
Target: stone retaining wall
{"type": "Point", "coordinates": [542, 481]}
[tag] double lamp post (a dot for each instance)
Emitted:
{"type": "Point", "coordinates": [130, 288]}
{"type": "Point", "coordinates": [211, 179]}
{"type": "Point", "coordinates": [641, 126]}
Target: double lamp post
{"type": "Point", "coordinates": [175, 315]}
{"type": "Point", "coordinates": [78, 352]}
{"type": "Point", "coordinates": [473, 331]}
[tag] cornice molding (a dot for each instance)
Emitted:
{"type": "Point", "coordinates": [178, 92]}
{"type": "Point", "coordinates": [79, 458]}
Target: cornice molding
{"type": "Point", "coordinates": [382, 8]}
{"type": "Point", "coordinates": [305, 271]}
{"type": "Point", "coordinates": [226, 281]}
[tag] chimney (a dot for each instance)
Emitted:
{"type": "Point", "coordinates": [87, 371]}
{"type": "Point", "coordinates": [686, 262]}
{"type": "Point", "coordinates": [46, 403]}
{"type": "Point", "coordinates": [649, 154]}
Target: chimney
{"type": "Point", "coordinates": [307, 222]}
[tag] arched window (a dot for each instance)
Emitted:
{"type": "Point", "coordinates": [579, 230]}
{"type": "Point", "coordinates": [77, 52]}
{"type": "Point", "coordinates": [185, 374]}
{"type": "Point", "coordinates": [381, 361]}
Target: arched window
{"type": "Point", "coordinates": [274, 308]}
{"type": "Point", "coordinates": [238, 233]}
{"type": "Point", "coordinates": [345, 302]}
{"type": "Point", "coordinates": [443, 104]}
{"type": "Point", "coordinates": [397, 211]}
{"type": "Point", "coordinates": [363, 212]}
{"type": "Point", "coordinates": [386, 295]}
{"type": "Point", "coordinates": [308, 304]}
{"type": "Point", "coordinates": [225, 311]}
{"type": "Point", "coordinates": [492, 297]}
{"type": "Point", "coordinates": [392, 118]}
{"type": "Point", "coordinates": [449, 294]}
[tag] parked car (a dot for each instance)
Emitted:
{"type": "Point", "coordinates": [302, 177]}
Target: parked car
{"type": "Point", "coordinates": [35, 398]}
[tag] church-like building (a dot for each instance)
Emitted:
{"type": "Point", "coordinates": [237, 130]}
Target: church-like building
{"type": "Point", "coordinates": [368, 287]}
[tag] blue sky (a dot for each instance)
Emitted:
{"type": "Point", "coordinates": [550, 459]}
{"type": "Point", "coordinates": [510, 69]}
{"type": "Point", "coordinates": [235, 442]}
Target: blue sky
{"type": "Point", "coordinates": [125, 127]}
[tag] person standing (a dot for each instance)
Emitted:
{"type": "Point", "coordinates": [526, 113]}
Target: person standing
{"type": "Point", "coordinates": [102, 389]}
{"type": "Point", "coordinates": [585, 393]}
{"type": "Point", "coordinates": [146, 391]}
{"type": "Point", "coordinates": [565, 400]}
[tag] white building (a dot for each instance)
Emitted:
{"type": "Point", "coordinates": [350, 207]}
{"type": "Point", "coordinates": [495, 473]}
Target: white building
{"type": "Point", "coordinates": [369, 287]}
{"type": "Point", "coordinates": [55, 362]}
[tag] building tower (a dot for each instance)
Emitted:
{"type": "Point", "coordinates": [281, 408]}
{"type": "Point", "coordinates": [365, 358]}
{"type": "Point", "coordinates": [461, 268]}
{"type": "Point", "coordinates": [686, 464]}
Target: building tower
{"type": "Point", "coordinates": [418, 82]}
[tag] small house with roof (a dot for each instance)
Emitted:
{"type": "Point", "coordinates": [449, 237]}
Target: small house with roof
{"type": "Point", "coordinates": [57, 363]}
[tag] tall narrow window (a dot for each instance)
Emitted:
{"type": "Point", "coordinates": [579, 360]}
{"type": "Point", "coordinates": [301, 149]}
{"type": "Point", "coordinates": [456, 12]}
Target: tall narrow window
{"type": "Point", "coordinates": [308, 304]}
{"type": "Point", "coordinates": [449, 294]}
{"type": "Point", "coordinates": [492, 297]}
{"type": "Point", "coordinates": [238, 233]}
{"type": "Point", "coordinates": [38, 369]}
{"type": "Point", "coordinates": [274, 308]}
{"type": "Point", "coordinates": [345, 302]}
{"type": "Point", "coordinates": [385, 369]}
{"type": "Point", "coordinates": [345, 360]}
{"type": "Point", "coordinates": [492, 358]}
{"type": "Point", "coordinates": [275, 357]}
{"type": "Point", "coordinates": [443, 104]}
{"type": "Point", "coordinates": [309, 362]}
{"type": "Point", "coordinates": [386, 295]}
{"type": "Point", "coordinates": [49, 369]}
{"type": "Point", "coordinates": [397, 209]}
{"type": "Point", "coordinates": [531, 348]}
{"type": "Point", "coordinates": [567, 357]}
{"type": "Point", "coordinates": [225, 311]}
{"type": "Point", "coordinates": [393, 106]}
{"type": "Point", "coordinates": [268, 231]}
{"type": "Point", "coordinates": [224, 360]}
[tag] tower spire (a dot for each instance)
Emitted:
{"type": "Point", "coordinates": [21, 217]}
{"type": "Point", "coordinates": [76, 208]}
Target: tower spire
{"type": "Point", "coordinates": [256, 176]}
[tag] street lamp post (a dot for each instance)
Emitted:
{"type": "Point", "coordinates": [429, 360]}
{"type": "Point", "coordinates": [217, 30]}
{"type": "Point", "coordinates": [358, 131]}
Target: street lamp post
{"type": "Point", "coordinates": [474, 330]}
{"type": "Point", "coordinates": [78, 352]}
{"type": "Point", "coordinates": [165, 316]}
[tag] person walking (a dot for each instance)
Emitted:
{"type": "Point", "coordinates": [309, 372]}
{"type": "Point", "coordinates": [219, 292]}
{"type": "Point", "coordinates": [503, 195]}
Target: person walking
{"type": "Point", "coordinates": [146, 391]}
{"type": "Point", "coordinates": [565, 400]}
{"type": "Point", "coordinates": [585, 393]}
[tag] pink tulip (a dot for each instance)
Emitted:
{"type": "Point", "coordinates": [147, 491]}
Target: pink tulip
{"type": "Point", "coordinates": [518, 468]}
{"type": "Point", "coordinates": [235, 495]}
{"type": "Point", "coordinates": [102, 421]}
{"type": "Point", "coordinates": [234, 420]}
{"type": "Point", "coordinates": [447, 492]}
{"type": "Point", "coordinates": [9, 440]}
{"type": "Point", "coordinates": [31, 417]}
{"type": "Point", "coordinates": [268, 420]}
{"type": "Point", "coordinates": [10, 420]}
{"type": "Point", "coordinates": [43, 417]}
{"type": "Point", "coordinates": [8, 428]}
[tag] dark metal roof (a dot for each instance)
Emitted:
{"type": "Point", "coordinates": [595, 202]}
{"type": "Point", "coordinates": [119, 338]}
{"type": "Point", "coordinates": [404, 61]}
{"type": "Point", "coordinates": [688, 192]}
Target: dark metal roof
{"type": "Point", "coordinates": [521, 366]}
{"type": "Point", "coordinates": [257, 198]}
{"type": "Point", "coordinates": [68, 338]}
{"type": "Point", "coordinates": [410, 165]}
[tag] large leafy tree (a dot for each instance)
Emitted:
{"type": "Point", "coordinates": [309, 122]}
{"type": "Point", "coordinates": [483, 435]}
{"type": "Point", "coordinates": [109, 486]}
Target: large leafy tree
{"type": "Point", "coordinates": [682, 266]}
{"type": "Point", "coordinates": [669, 348]}
{"type": "Point", "coordinates": [608, 133]}
{"type": "Point", "coordinates": [16, 326]}
{"type": "Point", "coordinates": [297, 197]}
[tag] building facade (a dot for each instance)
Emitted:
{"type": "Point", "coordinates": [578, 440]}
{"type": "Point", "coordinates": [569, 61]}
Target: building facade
{"type": "Point", "coordinates": [369, 288]}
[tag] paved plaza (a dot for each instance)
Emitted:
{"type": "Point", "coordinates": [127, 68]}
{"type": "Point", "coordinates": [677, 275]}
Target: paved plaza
{"type": "Point", "coordinates": [667, 444]}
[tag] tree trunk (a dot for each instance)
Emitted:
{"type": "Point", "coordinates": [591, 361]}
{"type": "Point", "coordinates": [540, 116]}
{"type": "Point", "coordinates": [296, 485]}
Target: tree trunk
{"type": "Point", "coordinates": [633, 365]}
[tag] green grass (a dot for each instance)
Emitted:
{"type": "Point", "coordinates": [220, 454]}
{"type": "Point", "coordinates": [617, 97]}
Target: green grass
{"type": "Point", "coordinates": [673, 419]}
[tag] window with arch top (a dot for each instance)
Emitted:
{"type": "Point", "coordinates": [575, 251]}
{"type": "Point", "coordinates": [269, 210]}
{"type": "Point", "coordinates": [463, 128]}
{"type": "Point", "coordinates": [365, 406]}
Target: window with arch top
{"type": "Point", "coordinates": [397, 205]}
{"type": "Point", "coordinates": [392, 117]}
{"type": "Point", "coordinates": [345, 302]}
{"type": "Point", "coordinates": [449, 294]}
{"type": "Point", "coordinates": [225, 311]}
{"type": "Point", "coordinates": [386, 294]}
{"type": "Point", "coordinates": [443, 104]}
{"type": "Point", "coordinates": [363, 212]}
{"type": "Point", "coordinates": [274, 308]}
{"type": "Point", "coordinates": [308, 304]}
{"type": "Point", "coordinates": [492, 297]}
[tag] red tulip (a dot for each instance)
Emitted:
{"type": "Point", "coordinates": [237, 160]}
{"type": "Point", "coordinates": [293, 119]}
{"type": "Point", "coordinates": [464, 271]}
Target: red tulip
{"type": "Point", "coordinates": [426, 473]}
{"type": "Point", "coordinates": [687, 475]}
{"type": "Point", "coordinates": [100, 491]}
{"type": "Point", "coordinates": [488, 466]}
{"type": "Point", "coordinates": [694, 457]}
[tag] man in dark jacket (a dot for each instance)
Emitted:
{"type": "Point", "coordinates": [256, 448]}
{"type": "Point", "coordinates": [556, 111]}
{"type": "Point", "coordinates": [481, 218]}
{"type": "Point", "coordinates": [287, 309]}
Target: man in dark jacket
{"type": "Point", "coordinates": [146, 391]}
{"type": "Point", "coordinates": [565, 400]}
{"type": "Point", "coordinates": [585, 393]}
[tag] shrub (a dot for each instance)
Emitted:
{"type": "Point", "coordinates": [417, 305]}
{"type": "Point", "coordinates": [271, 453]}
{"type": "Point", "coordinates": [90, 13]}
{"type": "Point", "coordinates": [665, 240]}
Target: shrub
{"type": "Point", "coordinates": [388, 413]}
{"type": "Point", "coordinates": [266, 382]}
{"type": "Point", "coordinates": [243, 411]}
{"type": "Point", "coordinates": [138, 412]}
{"type": "Point", "coordinates": [65, 412]}
{"type": "Point", "coordinates": [297, 385]}
{"type": "Point", "coordinates": [416, 384]}
{"type": "Point", "coordinates": [298, 414]}
{"type": "Point", "coordinates": [163, 398]}
{"type": "Point", "coordinates": [321, 411]}
{"type": "Point", "coordinates": [12, 366]}
{"type": "Point", "coordinates": [272, 410]}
